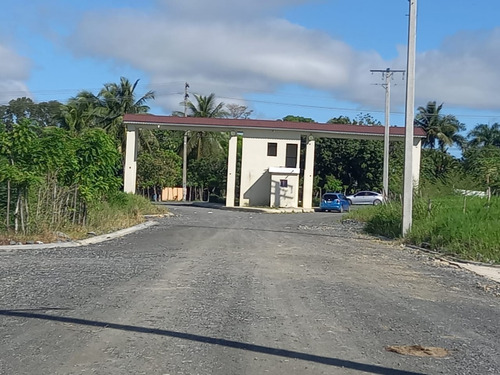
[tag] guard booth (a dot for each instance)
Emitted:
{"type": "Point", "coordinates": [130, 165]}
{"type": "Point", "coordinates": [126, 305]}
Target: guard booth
{"type": "Point", "coordinates": [284, 187]}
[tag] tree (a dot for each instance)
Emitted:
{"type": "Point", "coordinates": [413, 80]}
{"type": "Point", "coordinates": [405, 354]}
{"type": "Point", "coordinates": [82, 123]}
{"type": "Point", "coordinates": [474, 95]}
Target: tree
{"type": "Point", "coordinates": [438, 166]}
{"type": "Point", "coordinates": [441, 130]}
{"type": "Point", "coordinates": [206, 144]}
{"type": "Point", "coordinates": [483, 135]}
{"type": "Point", "coordinates": [206, 106]}
{"type": "Point", "coordinates": [17, 169]}
{"type": "Point", "coordinates": [41, 114]}
{"type": "Point", "coordinates": [116, 100]}
{"type": "Point", "coordinates": [158, 169]}
{"type": "Point", "coordinates": [484, 163]}
{"type": "Point", "coordinates": [238, 111]}
{"type": "Point", "coordinates": [356, 163]}
{"type": "Point", "coordinates": [81, 112]}
{"type": "Point", "coordinates": [207, 174]}
{"type": "Point", "coordinates": [297, 119]}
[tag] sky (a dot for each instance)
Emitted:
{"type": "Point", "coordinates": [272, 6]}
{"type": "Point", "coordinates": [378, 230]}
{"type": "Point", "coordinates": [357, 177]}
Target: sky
{"type": "Point", "coordinates": [309, 58]}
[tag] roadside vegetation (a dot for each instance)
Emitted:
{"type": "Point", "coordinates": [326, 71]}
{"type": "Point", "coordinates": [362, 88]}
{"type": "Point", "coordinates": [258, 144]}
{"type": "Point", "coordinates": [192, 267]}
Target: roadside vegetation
{"type": "Point", "coordinates": [61, 169]}
{"type": "Point", "coordinates": [448, 215]}
{"type": "Point", "coordinates": [460, 226]}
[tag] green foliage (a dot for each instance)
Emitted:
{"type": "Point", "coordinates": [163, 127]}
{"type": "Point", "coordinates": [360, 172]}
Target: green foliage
{"type": "Point", "coordinates": [292, 118]}
{"type": "Point", "coordinates": [484, 164]}
{"type": "Point", "coordinates": [207, 173]}
{"type": "Point", "coordinates": [357, 164]}
{"type": "Point", "coordinates": [41, 114]}
{"type": "Point", "coordinates": [462, 226]}
{"type": "Point", "coordinates": [98, 161]}
{"type": "Point", "coordinates": [484, 135]}
{"type": "Point", "coordinates": [438, 166]}
{"type": "Point", "coordinates": [49, 176]}
{"type": "Point", "coordinates": [472, 234]}
{"type": "Point", "coordinates": [158, 169]}
{"type": "Point", "coordinates": [442, 130]}
{"type": "Point", "coordinates": [206, 106]}
{"type": "Point", "coordinates": [119, 210]}
{"type": "Point", "coordinates": [332, 184]}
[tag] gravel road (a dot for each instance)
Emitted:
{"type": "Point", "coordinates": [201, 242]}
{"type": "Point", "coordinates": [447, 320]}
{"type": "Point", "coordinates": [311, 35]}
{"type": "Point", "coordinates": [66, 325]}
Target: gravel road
{"type": "Point", "coordinates": [227, 292]}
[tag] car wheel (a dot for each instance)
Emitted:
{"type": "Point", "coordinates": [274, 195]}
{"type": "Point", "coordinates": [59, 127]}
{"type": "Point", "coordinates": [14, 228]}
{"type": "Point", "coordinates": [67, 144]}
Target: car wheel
{"type": "Point", "coordinates": [376, 202]}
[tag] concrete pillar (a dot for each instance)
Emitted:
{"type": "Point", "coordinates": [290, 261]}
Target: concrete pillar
{"type": "Point", "coordinates": [417, 147]}
{"type": "Point", "coordinates": [231, 170]}
{"type": "Point", "coordinates": [307, 191]}
{"type": "Point", "coordinates": [130, 169]}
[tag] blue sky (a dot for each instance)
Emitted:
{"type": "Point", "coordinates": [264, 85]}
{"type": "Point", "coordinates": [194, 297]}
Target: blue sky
{"type": "Point", "coordinates": [308, 58]}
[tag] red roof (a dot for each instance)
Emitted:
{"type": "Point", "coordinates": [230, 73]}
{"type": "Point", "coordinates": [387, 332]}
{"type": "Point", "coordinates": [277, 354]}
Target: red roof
{"type": "Point", "coordinates": [224, 124]}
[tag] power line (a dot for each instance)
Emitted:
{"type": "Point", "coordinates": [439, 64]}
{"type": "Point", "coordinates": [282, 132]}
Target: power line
{"type": "Point", "coordinates": [279, 103]}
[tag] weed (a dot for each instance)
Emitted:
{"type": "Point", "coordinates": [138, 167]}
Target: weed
{"type": "Point", "coordinates": [466, 227]}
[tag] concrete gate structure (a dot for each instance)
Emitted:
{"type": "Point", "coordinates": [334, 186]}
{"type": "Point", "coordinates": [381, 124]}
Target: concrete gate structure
{"type": "Point", "coordinates": [270, 153]}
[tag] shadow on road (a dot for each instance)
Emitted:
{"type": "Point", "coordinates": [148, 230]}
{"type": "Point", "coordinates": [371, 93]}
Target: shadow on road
{"type": "Point", "coordinates": [211, 340]}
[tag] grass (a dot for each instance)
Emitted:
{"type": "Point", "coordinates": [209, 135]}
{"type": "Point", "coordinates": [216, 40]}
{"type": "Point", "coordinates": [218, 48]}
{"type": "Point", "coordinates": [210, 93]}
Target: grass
{"type": "Point", "coordinates": [119, 211]}
{"type": "Point", "coordinates": [465, 227]}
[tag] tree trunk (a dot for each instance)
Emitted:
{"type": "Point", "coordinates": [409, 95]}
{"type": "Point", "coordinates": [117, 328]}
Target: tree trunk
{"type": "Point", "coordinates": [22, 209]}
{"type": "Point", "coordinates": [7, 226]}
{"type": "Point", "coordinates": [26, 208]}
{"type": "Point", "coordinates": [16, 213]}
{"type": "Point", "coordinates": [75, 201]}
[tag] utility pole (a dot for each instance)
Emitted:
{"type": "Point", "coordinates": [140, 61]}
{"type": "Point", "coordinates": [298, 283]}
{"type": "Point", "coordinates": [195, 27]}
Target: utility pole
{"type": "Point", "coordinates": [184, 150]}
{"type": "Point", "coordinates": [388, 74]}
{"type": "Point", "coordinates": [409, 118]}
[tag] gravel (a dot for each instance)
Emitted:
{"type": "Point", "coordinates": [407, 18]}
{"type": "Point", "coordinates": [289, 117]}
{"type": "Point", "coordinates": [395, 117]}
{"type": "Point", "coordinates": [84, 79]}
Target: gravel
{"type": "Point", "coordinates": [223, 292]}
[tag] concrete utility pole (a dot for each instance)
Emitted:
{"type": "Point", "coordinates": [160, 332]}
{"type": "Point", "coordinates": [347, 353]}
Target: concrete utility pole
{"type": "Point", "coordinates": [184, 150]}
{"type": "Point", "coordinates": [409, 117]}
{"type": "Point", "coordinates": [388, 73]}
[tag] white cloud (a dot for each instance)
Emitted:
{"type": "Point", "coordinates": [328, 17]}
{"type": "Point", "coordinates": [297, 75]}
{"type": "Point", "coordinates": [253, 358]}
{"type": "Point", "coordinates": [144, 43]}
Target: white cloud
{"type": "Point", "coordinates": [464, 71]}
{"type": "Point", "coordinates": [14, 71]}
{"type": "Point", "coordinates": [249, 51]}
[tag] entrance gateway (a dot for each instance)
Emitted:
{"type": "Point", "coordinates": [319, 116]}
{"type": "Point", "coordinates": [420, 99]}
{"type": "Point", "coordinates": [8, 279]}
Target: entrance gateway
{"type": "Point", "coordinates": [270, 153]}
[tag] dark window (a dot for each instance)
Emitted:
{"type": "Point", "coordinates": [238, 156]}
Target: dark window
{"type": "Point", "coordinates": [272, 149]}
{"type": "Point", "coordinates": [291, 155]}
{"type": "Point", "coordinates": [330, 197]}
{"type": "Point", "coordinates": [283, 183]}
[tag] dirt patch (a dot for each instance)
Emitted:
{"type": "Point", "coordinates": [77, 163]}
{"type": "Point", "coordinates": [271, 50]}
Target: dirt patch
{"type": "Point", "coordinates": [418, 350]}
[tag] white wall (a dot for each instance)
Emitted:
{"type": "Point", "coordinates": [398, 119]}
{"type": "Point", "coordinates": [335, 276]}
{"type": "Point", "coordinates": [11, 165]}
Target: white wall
{"type": "Point", "coordinates": [255, 186]}
{"type": "Point", "coordinates": [284, 196]}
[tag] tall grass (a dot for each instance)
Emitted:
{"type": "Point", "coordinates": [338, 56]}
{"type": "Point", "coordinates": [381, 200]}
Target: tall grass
{"type": "Point", "coordinates": [466, 227]}
{"type": "Point", "coordinates": [116, 211]}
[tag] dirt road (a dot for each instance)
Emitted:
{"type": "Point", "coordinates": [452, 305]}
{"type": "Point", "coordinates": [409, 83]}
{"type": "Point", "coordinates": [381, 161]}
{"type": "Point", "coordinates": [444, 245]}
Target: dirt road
{"type": "Point", "coordinates": [227, 292]}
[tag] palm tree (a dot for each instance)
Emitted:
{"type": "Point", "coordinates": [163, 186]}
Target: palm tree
{"type": "Point", "coordinates": [81, 112]}
{"type": "Point", "coordinates": [206, 107]}
{"type": "Point", "coordinates": [115, 100]}
{"type": "Point", "coordinates": [440, 129]}
{"type": "Point", "coordinates": [483, 135]}
{"type": "Point", "coordinates": [206, 143]}
{"type": "Point", "coordinates": [450, 128]}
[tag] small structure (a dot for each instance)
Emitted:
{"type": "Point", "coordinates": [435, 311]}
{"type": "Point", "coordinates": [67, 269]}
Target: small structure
{"type": "Point", "coordinates": [270, 153]}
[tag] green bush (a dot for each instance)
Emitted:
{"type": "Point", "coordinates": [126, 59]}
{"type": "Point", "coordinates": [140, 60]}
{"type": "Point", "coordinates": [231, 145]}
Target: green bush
{"type": "Point", "coordinates": [466, 227]}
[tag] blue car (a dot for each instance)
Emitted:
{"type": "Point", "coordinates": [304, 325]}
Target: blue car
{"type": "Point", "coordinates": [334, 202]}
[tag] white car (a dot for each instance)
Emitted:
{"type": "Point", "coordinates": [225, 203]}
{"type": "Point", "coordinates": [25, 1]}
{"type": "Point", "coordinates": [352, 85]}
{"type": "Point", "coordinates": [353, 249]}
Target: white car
{"type": "Point", "coordinates": [366, 197]}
